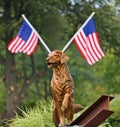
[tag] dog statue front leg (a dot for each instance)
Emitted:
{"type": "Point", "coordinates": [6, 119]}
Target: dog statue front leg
{"type": "Point", "coordinates": [61, 116]}
{"type": "Point", "coordinates": [62, 122]}
{"type": "Point", "coordinates": [61, 119]}
{"type": "Point", "coordinates": [65, 102]}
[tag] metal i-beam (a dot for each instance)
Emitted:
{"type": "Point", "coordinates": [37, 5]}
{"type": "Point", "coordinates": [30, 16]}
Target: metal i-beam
{"type": "Point", "coordinates": [95, 114]}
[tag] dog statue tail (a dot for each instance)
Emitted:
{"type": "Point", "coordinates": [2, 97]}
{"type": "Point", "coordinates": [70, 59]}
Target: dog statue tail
{"type": "Point", "coordinates": [77, 108]}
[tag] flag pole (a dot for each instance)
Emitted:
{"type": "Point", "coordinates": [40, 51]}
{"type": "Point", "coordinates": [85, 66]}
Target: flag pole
{"type": "Point", "coordinates": [70, 41]}
{"type": "Point", "coordinates": [41, 40]}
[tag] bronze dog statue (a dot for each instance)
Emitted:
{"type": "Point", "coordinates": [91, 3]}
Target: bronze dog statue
{"type": "Point", "coordinates": [62, 87]}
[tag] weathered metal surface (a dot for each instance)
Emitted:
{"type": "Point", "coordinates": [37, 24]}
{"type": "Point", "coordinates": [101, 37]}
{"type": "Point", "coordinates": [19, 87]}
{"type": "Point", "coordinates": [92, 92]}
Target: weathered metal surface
{"type": "Point", "coordinates": [95, 114]}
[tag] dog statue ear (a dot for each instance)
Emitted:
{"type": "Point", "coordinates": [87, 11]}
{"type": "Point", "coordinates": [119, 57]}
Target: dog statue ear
{"type": "Point", "coordinates": [64, 58]}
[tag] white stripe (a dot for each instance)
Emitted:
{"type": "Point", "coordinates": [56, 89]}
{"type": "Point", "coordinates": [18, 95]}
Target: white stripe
{"type": "Point", "coordinates": [84, 47]}
{"type": "Point", "coordinates": [93, 42]}
{"type": "Point", "coordinates": [82, 40]}
{"type": "Point", "coordinates": [93, 61]}
{"type": "Point", "coordinates": [33, 47]}
{"type": "Point", "coordinates": [16, 44]}
{"type": "Point", "coordinates": [83, 51]}
{"type": "Point", "coordinates": [91, 50]}
{"type": "Point", "coordinates": [98, 46]}
{"type": "Point", "coordinates": [87, 47]}
{"type": "Point", "coordinates": [18, 49]}
{"type": "Point", "coordinates": [26, 43]}
{"type": "Point", "coordinates": [12, 44]}
{"type": "Point", "coordinates": [30, 44]}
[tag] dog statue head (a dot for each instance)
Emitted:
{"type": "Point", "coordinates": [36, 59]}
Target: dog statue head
{"type": "Point", "coordinates": [55, 58]}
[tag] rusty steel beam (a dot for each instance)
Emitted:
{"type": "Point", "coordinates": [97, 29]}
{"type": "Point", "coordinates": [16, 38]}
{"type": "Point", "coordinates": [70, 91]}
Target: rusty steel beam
{"type": "Point", "coordinates": [95, 114]}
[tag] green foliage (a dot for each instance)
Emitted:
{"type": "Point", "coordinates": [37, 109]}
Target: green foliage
{"type": "Point", "coordinates": [114, 120]}
{"type": "Point", "coordinates": [39, 116]}
{"type": "Point", "coordinates": [105, 125]}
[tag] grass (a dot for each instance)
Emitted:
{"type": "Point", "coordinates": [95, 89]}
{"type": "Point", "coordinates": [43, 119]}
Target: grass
{"type": "Point", "coordinates": [114, 119]}
{"type": "Point", "coordinates": [39, 116]}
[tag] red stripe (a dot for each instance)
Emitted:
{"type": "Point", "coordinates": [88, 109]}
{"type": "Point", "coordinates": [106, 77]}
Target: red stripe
{"type": "Point", "coordinates": [13, 46]}
{"type": "Point", "coordinates": [81, 42]}
{"type": "Point", "coordinates": [80, 50]}
{"type": "Point", "coordinates": [83, 39]}
{"type": "Point", "coordinates": [93, 51]}
{"type": "Point", "coordinates": [88, 52]}
{"type": "Point", "coordinates": [97, 38]}
{"type": "Point", "coordinates": [21, 44]}
{"type": "Point", "coordinates": [21, 48]}
{"type": "Point", "coordinates": [94, 41]}
{"type": "Point", "coordinates": [98, 41]}
{"type": "Point", "coordinates": [95, 46]}
{"type": "Point", "coordinates": [30, 43]}
{"type": "Point", "coordinates": [85, 46]}
{"type": "Point", "coordinates": [18, 46]}
{"type": "Point", "coordinates": [89, 47]}
{"type": "Point", "coordinates": [26, 44]}
{"type": "Point", "coordinates": [11, 41]}
{"type": "Point", "coordinates": [35, 47]}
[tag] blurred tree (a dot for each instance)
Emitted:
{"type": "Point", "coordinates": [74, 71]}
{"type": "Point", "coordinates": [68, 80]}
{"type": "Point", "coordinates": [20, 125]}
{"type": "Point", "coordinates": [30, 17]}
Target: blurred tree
{"type": "Point", "coordinates": [19, 76]}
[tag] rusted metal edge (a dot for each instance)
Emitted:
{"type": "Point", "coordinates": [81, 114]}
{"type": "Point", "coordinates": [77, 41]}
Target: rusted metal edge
{"type": "Point", "coordinates": [89, 110]}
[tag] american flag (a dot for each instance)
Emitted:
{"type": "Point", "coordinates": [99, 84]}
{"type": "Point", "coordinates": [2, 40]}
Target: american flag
{"type": "Point", "coordinates": [88, 43]}
{"type": "Point", "coordinates": [25, 41]}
